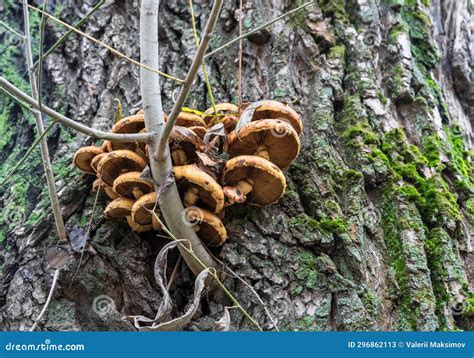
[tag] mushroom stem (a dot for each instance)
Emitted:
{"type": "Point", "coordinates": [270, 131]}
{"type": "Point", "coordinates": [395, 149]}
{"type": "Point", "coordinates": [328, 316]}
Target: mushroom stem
{"type": "Point", "coordinates": [233, 195]}
{"type": "Point", "coordinates": [245, 186]}
{"type": "Point", "coordinates": [262, 151]}
{"type": "Point", "coordinates": [179, 156]}
{"type": "Point", "coordinates": [238, 194]}
{"type": "Point", "coordinates": [137, 192]}
{"type": "Point", "coordinates": [191, 196]}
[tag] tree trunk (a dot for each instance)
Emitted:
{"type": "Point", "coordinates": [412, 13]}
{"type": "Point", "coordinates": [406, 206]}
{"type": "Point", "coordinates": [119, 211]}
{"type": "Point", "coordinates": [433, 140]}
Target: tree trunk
{"type": "Point", "coordinates": [376, 227]}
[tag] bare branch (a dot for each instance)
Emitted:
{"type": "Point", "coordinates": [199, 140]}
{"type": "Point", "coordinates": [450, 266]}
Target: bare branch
{"type": "Point", "coordinates": [111, 49]}
{"type": "Point", "coordinates": [116, 137]}
{"type": "Point", "coordinates": [48, 171]}
{"type": "Point", "coordinates": [183, 94]}
{"type": "Point", "coordinates": [169, 199]}
{"type": "Point", "coordinates": [13, 31]}
{"type": "Point", "coordinates": [41, 51]}
{"type": "Point", "coordinates": [48, 300]}
{"type": "Point", "coordinates": [254, 31]}
{"type": "Point", "coordinates": [204, 70]}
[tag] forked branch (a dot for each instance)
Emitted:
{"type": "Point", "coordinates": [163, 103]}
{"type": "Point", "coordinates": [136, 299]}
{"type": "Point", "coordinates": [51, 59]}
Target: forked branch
{"type": "Point", "coordinates": [168, 195]}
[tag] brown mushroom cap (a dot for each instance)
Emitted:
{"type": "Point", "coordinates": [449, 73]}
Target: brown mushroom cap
{"type": "Point", "coordinates": [83, 158]}
{"type": "Point", "coordinates": [272, 139]}
{"type": "Point", "coordinates": [211, 230]}
{"type": "Point", "coordinates": [186, 119]}
{"type": "Point", "coordinates": [119, 208]}
{"type": "Point", "coordinates": [119, 162]}
{"type": "Point", "coordinates": [184, 145]}
{"type": "Point", "coordinates": [208, 191]}
{"type": "Point", "coordinates": [267, 179]}
{"type": "Point", "coordinates": [132, 185]}
{"type": "Point", "coordinates": [106, 145]}
{"type": "Point", "coordinates": [270, 109]}
{"type": "Point", "coordinates": [228, 112]}
{"type": "Point", "coordinates": [96, 160]}
{"type": "Point", "coordinates": [99, 184]}
{"type": "Point", "coordinates": [141, 212]}
{"type": "Point", "coordinates": [199, 130]}
{"type": "Point", "coordinates": [132, 124]}
{"type": "Point", "coordinates": [137, 227]}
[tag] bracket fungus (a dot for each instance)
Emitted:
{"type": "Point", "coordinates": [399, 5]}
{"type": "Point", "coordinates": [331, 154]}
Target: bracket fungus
{"type": "Point", "coordinates": [226, 114]}
{"type": "Point", "coordinates": [198, 187]}
{"type": "Point", "coordinates": [264, 139]}
{"type": "Point", "coordinates": [258, 180]}
{"type": "Point", "coordinates": [119, 208]}
{"type": "Point", "coordinates": [84, 156]}
{"type": "Point", "coordinates": [270, 109]}
{"type": "Point", "coordinates": [142, 212]}
{"type": "Point", "coordinates": [270, 139]}
{"type": "Point", "coordinates": [199, 130]}
{"type": "Point", "coordinates": [132, 124]}
{"type": "Point", "coordinates": [119, 162]}
{"type": "Point", "coordinates": [186, 119]}
{"type": "Point", "coordinates": [99, 185]}
{"type": "Point", "coordinates": [208, 226]}
{"type": "Point", "coordinates": [184, 143]}
{"type": "Point", "coordinates": [132, 185]}
{"type": "Point", "coordinates": [95, 161]}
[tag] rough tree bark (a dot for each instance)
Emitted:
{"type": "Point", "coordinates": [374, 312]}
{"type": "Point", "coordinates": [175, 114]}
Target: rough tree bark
{"type": "Point", "coordinates": [375, 230]}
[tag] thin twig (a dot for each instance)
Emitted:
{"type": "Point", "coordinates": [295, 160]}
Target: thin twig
{"type": "Point", "coordinates": [239, 76]}
{"type": "Point", "coordinates": [41, 50]}
{"type": "Point", "coordinates": [27, 154]}
{"type": "Point", "coordinates": [111, 49]}
{"type": "Point", "coordinates": [261, 27]}
{"type": "Point", "coordinates": [197, 61]}
{"type": "Point", "coordinates": [87, 233]}
{"type": "Point", "coordinates": [48, 300]}
{"type": "Point", "coordinates": [48, 170]}
{"type": "Point", "coordinates": [21, 96]}
{"type": "Point", "coordinates": [234, 274]}
{"type": "Point", "coordinates": [9, 28]}
{"type": "Point", "coordinates": [204, 70]}
{"type": "Point", "coordinates": [69, 32]}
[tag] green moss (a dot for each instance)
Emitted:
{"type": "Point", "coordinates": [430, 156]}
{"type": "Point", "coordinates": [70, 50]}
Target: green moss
{"type": "Point", "coordinates": [339, 226]}
{"type": "Point", "coordinates": [307, 223]}
{"type": "Point", "coordinates": [337, 52]}
{"type": "Point", "coordinates": [381, 97]}
{"type": "Point", "coordinates": [334, 8]}
{"type": "Point", "coordinates": [424, 50]}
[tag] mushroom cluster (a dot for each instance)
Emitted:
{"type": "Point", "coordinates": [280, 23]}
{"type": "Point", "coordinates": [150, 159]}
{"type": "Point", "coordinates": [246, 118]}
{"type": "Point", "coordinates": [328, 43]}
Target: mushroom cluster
{"type": "Point", "coordinates": [219, 159]}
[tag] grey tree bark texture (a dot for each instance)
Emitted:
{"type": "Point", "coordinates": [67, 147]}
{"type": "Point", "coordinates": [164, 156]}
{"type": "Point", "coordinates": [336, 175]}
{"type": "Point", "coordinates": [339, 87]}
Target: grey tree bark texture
{"type": "Point", "coordinates": [375, 230]}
